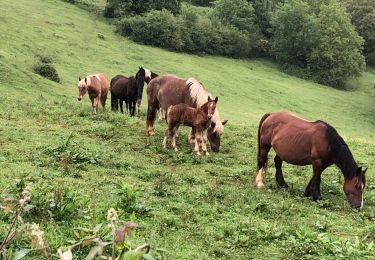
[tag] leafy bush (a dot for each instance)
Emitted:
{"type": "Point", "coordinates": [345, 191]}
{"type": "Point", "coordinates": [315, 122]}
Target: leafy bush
{"type": "Point", "coordinates": [128, 197]}
{"type": "Point", "coordinates": [188, 32]}
{"type": "Point", "coordinates": [45, 69]}
{"type": "Point", "coordinates": [58, 203]}
{"type": "Point", "coordinates": [120, 8]}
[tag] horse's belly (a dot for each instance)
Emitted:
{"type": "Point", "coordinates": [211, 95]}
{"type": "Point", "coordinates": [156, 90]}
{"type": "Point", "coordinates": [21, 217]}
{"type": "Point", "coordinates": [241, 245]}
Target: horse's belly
{"type": "Point", "coordinates": [293, 155]}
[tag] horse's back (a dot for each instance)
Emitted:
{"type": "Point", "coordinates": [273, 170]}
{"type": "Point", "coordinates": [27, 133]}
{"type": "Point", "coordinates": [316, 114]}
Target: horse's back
{"type": "Point", "coordinates": [293, 138]}
{"type": "Point", "coordinates": [167, 90]}
{"type": "Point", "coordinates": [119, 85]}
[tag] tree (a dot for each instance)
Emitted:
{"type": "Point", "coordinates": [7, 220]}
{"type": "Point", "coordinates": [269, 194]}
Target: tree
{"type": "Point", "coordinates": [263, 11]}
{"type": "Point", "coordinates": [238, 13]}
{"type": "Point", "coordinates": [293, 27]}
{"type": "Point", "coordinates": [337, 52]}
{"type": "Point", "coordinates": [363, 18]}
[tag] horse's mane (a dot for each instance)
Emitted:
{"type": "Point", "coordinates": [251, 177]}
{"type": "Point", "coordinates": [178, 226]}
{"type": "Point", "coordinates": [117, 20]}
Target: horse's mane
{"type": "Point", "coordinates": [342, 154]}
{"type": "Point", "coordinates": [199, 95]}
{"type": "Point", "coordinates": [88, 78]}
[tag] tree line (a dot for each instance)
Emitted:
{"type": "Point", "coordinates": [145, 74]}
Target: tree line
{"type": "Point", "coordinates": [329, 40]}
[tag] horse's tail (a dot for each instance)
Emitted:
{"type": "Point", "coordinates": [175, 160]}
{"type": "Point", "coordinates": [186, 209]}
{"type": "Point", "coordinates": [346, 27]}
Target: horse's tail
{"type": "Point", "coordinates": [264, 117]}
{"type": "Point", "coordinates": [153, 104]}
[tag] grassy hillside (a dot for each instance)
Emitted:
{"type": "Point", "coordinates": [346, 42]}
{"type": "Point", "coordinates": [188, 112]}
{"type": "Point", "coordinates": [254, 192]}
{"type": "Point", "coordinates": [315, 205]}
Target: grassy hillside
{"type": "Point", "coordinates": [190, 207]}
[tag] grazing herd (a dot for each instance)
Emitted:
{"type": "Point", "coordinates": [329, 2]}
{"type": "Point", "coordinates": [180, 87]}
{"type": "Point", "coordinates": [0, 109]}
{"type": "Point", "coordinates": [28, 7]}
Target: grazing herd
{"type": "Point", "coordinates": [295, 140]}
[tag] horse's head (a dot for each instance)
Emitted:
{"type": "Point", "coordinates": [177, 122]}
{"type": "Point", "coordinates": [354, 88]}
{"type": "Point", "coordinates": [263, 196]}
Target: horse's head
{"type": "Point", "coordinates": [211, 106]}
{"type": "Point", "coordinates": [140, 73]}
{"type": "Point", "coordinates": [82, 88]}
{"type": "Point", "coordinates": [354, 187]}
{"type": "Point", "coordinates": [214, 136]}
{"type": "Point", "coordinates": [140, 79]}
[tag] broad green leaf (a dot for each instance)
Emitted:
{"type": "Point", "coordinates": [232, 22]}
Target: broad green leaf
{"type": "Point", "coordinates": [21, 254]}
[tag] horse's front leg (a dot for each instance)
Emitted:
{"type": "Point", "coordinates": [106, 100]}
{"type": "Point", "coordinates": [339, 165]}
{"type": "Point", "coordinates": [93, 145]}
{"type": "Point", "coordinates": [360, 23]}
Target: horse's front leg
{"type": "Point", "coordinates": [204, 140]}
{"type": "Point", "coordinates": [174, 134]}
{"type": "Point", "coordinates": [313, 188]}
{"type": "Point", "coordinates": [198, 142]}
{"type": "Point", "coordinates": [191, 136]}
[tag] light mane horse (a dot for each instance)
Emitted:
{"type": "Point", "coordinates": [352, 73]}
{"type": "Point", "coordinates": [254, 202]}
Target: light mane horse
{"type": "Point", "coordinates": [166, 90]}
{"type": "Point", "coordinates": [97, 86]}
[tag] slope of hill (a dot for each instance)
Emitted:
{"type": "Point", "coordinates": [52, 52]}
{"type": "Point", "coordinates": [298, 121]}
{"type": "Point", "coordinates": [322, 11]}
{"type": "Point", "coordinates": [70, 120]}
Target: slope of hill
{"type": "Point", "coordinates": [189, 206]}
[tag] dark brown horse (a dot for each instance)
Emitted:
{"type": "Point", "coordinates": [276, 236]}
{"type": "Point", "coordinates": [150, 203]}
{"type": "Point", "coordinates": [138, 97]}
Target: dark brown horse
{"type": "Point", "coordinates": [146, 76]}
{"type": "Point", "coordinates": [166, 90]}
{"type": "Point", "coordinates": [128, 90]}
{"type": "Point", "coordinates": [197, 118]}
{"type": "Point", "coordinates": [300, 142]}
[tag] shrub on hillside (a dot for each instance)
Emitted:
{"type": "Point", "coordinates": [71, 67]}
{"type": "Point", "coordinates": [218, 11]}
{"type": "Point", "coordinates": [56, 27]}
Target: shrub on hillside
{"type": "Point", "coordinates": [121, 8]}
{"type": "Point", "coordinates": [157, 28]}
{"type": "Point", "coordinates": [189, 33]}
{"type": "Point", "coordinates": [45, 68]}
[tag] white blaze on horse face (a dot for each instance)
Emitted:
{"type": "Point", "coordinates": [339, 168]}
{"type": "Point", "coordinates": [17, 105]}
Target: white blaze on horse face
{"type": "Point", "coordinates": [259, 178]}
{"type": "Point", "coordinates": [147, 74]}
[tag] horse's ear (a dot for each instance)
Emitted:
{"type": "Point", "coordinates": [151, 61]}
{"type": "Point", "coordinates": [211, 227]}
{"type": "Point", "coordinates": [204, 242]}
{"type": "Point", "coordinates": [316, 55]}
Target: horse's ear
{"type": "Point", "coordinates": [359, 170]}
{"type": "Point", "coordinates": [86, 80]}
{"type": "Point", "coordinates": [224, 122]}
{"type": "Point", "coordinates": [209, 99]}
{"type": "Point", "coordinates": [79, 78]}
{"type": "Point", "coordinates": [216, 99]}
{"type": "Point", "coordinates": [365, 170]}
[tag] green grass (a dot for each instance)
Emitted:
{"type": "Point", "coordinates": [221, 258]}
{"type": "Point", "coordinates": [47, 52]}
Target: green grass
{"type": "Point", "coordinates": [196, 207]}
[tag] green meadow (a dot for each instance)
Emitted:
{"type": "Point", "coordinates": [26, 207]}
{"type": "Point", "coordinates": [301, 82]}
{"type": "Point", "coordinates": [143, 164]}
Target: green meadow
{"type": "Point", "coordinates": [189, 207]}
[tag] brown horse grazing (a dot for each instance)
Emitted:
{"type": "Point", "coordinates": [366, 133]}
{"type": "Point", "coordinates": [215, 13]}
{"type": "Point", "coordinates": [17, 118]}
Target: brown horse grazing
{"type": "Point", "coordinates": [301, 142]}
{"type": "Point", "coordinates": [166, 90]}
{"type": "Point", "coordinates": [146, 76]}
{"type": "Point", "coordinates": [97, 87]}
{"type": "Point", "coordinates": [197, 118]}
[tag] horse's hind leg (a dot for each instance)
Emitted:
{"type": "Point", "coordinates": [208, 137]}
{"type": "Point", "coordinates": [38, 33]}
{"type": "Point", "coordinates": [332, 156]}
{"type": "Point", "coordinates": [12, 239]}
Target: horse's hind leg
{"type": "Point", "coordinates": [279, 173]}
{"type": "Point", "coordinates": [95, 102]}
{"type": "Point", "coordinates": [151, 111]}
{"type": "Point", "coordinates": [103, 99]}
{"type": "Point", "coordinates": [262, 165]}
{"type": "Point", "coordinates": [167, 132]}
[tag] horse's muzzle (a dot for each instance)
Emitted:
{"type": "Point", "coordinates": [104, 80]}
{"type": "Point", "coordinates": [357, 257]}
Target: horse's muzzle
{"type": "Point", "coordinates": [209, 116]}
{"type": "Point", "coordinates": [79, 99]}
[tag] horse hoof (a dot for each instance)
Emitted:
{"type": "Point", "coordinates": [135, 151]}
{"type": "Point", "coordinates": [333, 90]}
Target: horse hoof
{"type": "Point", "coordinates": [207, 154]}
{"type": "Point", "coordinates": [283, 186]}
{"type": "Point", "coordinates": [260, 185]}
{"type": "Point", "coordinates": [175, 149]}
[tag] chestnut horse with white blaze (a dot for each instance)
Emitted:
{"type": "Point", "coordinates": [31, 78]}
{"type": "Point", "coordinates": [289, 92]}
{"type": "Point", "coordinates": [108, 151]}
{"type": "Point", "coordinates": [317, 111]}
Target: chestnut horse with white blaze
{"type": "Point", "coordinates": [166, 90]}
{"type": "Point", "coordinates": [300, 142]}
{"type": "Point", "coordinates": [197, 118]}
{"type": "Point", "coordinates": [97, 86]}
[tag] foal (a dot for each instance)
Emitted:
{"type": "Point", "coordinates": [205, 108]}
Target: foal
{"type": "Point", "coordinates": [197, 118]}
